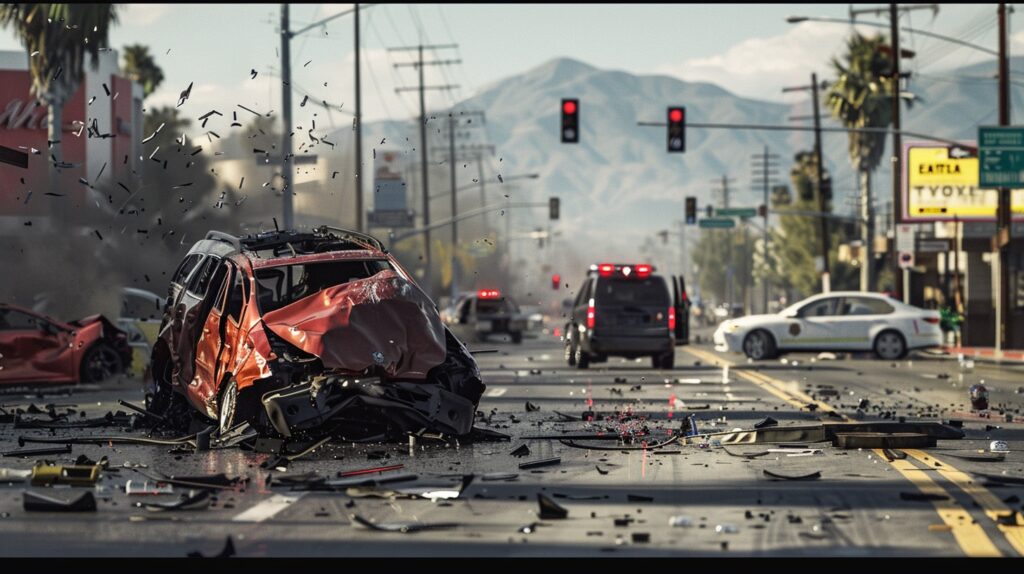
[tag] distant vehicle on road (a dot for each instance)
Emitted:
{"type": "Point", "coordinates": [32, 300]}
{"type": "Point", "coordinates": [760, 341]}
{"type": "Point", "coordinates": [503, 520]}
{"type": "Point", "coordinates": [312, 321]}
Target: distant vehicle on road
{"type": "Point", "coordinates": [36, 348]}
{"type": "Point", "coordinates": [486, 312]}
{"type": "Point", "coordinates": [837, 321]}
{"type": "Point", "coordinates": [625, 310]}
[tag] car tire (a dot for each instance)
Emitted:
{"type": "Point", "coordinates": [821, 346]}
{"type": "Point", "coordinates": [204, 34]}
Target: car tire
{"type": "Point", "coordinates": [759, 345]}
{"type": "Point", "coordinates": [582, 358]}
{"type": "Point", "coordinates": [889, 345]}
{"type": "Point", "coordinates": [100, 363]}
{"type": "Point", "coordinates": [668, 361]}
{"type": "Point", "coordinates": [570, 348]}
{"type": "Point", "coordinates": [227, 407]}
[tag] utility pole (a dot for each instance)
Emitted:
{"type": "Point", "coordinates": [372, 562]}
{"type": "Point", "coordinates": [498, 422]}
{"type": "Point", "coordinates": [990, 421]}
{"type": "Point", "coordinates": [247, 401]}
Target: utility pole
{"type": "Point", "coordinates": [730, 270]}
{"type": "Point", "coordinates": [428, 272]}
{"type": "Point", "coordinates": [359, 133]}
{"type": "Point", "coordinates": [287, 216]}
{"type": "Point", "coordinates": [826, 282]}
{"type": "Point", "coordinates": [766, 164]}
{"type": "Point", "coordinates": [897, 151]}
{"type": "Point", "coordinates": [453, 157]}
{"type": "Point", "coordinates": [1004, 215]}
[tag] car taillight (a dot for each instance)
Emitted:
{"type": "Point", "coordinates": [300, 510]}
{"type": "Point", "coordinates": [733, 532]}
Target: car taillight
{"type": "Point", "coordinates": [590, 314]}
{"type": "Point", "coordinates": [671, 318]}
{"type": "Point", "coordinates": [605, 269]}
{"type": "Point", "coordinates": [643, 271]}
{"type": "Point", "coordinates": [932, 320]}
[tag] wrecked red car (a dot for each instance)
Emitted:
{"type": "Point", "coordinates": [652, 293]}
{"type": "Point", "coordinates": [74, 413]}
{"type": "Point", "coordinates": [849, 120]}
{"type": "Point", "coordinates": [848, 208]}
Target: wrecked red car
{"type": "Point", "coordinates": [301, 333]}
{"type": "Point", "coordinates": [37, 348]}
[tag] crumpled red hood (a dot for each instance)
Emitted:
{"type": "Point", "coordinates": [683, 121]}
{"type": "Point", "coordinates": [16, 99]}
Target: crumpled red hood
{"type": "Point", "coordinates": [382, 320]}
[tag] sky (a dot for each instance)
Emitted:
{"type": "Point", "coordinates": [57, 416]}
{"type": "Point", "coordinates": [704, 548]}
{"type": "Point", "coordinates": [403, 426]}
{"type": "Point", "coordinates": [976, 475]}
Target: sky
{"type": "Point", "coordinates": [748, 49]}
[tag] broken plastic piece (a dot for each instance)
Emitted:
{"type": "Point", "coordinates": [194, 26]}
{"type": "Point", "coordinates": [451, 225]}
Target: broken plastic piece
{"type": "Point", "coordinates": [199, 501]}
{"type": "Point", "coordinates": [549, 509]}
{"type": "Point", "coordinates": [522, 450]}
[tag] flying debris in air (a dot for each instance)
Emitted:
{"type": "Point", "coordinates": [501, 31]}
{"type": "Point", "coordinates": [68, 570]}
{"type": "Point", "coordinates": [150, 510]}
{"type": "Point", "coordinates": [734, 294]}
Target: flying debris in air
{"type": "Point", "coordinates": [185, 94]}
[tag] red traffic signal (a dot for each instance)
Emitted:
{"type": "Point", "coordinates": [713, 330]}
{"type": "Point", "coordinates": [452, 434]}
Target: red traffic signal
{"type": "Point", "coordinates": [676, 129]}
{"type": "Point", "coordinates": [556, 281]}
{"type": "Point", "coordinates": [570, 120]}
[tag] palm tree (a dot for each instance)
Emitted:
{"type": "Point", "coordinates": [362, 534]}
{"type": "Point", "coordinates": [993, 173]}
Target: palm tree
{"type": "Point", "coordinates": [140, 67]}
{"type": "Point", "coordinates": [861, 97]}
{"type": "Point", "coordinates": [57, 38]}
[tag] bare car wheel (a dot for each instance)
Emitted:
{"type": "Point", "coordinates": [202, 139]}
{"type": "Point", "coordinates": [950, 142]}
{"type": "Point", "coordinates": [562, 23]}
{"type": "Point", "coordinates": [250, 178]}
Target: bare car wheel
{"type": "Point", "coordinates": [100, 363]}
{"type": "Point", "coordinates": [570, 350]}
{"type": "Point", "coordinates": [889, 345]}
{"type": "Point", "coordinates": [228, 406]}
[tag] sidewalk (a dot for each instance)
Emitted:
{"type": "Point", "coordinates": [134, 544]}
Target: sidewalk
{"type": "Point", "coordinates": [987, 354]}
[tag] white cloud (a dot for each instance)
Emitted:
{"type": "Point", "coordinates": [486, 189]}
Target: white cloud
{"type": "Point", "coordinates": [761, 67]}
{"type": "Point", "coordinates": [142, 14]}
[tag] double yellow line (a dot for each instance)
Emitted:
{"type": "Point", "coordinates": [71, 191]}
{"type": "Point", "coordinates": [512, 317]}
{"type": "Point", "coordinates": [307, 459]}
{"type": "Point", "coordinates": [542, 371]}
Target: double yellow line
{"type": "Point", "coordinates": [969, 535]}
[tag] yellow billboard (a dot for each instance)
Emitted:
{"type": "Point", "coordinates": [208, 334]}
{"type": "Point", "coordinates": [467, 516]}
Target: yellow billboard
{"type": "Point", "coordinates": [937, 187]}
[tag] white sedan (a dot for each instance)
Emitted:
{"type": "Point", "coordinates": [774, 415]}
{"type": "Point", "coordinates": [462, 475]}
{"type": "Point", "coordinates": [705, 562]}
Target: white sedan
{"type": "Point", "coordinates": [837, 321]}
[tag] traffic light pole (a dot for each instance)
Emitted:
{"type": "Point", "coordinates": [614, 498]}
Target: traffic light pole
{"type": "Point", "coordinates": [1003, 211]}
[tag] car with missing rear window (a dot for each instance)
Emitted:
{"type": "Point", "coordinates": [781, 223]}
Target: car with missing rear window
{"type": "Point", "coordinates": [626, 310]}
{"type": "Point", "coordinates": [308, 333]}
{"type": "Point", "coordinates": [837, 321]}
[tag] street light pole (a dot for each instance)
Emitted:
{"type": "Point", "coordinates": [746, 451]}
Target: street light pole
{"type": "Point", "coordinates": [1003, 210]}
{"type": "Point", "coordinates": [359, 132]}
{"type": "Point", "coordinates": [897, 166]}
{"type": "Point", "coordinates": [286, 103]}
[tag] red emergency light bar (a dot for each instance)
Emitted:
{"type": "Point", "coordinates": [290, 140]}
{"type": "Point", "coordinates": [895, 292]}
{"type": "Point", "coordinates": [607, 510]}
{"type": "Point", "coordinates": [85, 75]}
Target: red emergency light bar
{"type": "Point", "coordinates": [640, 270]}
{"type": "Point", "coordinates": [488, 294]}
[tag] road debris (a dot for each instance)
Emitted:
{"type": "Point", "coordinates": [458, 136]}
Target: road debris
{"type": "Point", "coordinates": [774, 475]}
{"type": "Point", "coordinates": [549, 509]}
{"type": "Point", "coordinates": [34, 502]}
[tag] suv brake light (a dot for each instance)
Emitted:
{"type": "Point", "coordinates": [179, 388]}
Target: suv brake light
{"type": "Point", "coordinates": [590, 314]}
{"type": "Point", "coordinates": [671, 318]}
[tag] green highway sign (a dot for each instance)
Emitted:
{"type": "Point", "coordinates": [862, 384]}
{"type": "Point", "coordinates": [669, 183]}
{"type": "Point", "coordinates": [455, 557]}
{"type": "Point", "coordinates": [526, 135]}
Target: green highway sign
{"type": "Point", "coordinates": [717, 223]}
{"type": "Point", "coordinates": [737, 212]}
{"type": "Point", "coordinates": [1000, 156]}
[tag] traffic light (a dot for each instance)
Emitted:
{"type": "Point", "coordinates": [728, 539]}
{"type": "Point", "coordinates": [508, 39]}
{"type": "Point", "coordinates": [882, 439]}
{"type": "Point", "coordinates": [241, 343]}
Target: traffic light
{"type": "Point", "coordinates": [677, 129]}
{"type": "Point", "coordinates": [710, 211]}
{"type": "Point", "coordinates": [691, 210]}
{"type": "Point", "coordinates": [762, 210]}
{"type": "Point", "coordinates": [556, 281]}
{"type": "Point", "coordinates": [664, 236]}
{"type": "Point", "coordinates": [553, 208]}
{"type": "Point", "coordinates": [570, 120]}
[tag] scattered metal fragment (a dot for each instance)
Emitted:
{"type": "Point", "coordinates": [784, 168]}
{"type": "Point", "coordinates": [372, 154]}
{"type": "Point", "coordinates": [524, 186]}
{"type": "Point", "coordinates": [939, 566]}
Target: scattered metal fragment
{"type": "Point", "coordinates": [766, 422]}
{"type": "Point", "coordinates": [198, 501]}
{"type": "Point", "coordinates": [540, 463]}
{"type": "Point", "coordinates": [883, 440]}
{"type": "Point", "coordinates": [812, 476]}
{"type": "Point", "coordinates": [33, 502]}
{"type": "Point", "coordinates": [403, 527]}
{"type": "Point", "coordinates": [549, 509]}
{"type": "Point", "coordinates": [520, 451]}
{"type": "Point", "coordinates": [66, 449]}
{"type": "Point", "coordinates": [377, 469]}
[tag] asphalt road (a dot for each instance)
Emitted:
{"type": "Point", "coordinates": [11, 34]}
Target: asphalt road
{"type": "Point", "coordinates": [621, 498]}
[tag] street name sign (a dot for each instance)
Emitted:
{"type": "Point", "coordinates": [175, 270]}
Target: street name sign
{"type": "Point", "coordinates": [717, 223]}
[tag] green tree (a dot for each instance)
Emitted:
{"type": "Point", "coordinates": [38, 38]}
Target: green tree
{"type": "Point", "coordinates": [58, 37]}
{"type": "Point", "coordinates": [861, 97]}
{"type": "Point", "coordinates": [140, 67]}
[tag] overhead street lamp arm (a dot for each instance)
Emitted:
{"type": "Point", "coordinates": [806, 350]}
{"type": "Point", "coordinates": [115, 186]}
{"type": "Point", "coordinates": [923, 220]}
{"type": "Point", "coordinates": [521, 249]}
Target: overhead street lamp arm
{"type": "Point", "coordinates": [477, 184]}
{"type": "Point", "coordinates": [395, 237]}
{"type": "Point", "coordinates": [328, 19]}
{"type": "Point", "coordinates": [798, 19]}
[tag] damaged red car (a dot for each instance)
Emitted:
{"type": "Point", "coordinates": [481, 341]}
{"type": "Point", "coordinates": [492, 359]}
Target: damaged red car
{"type": "Point", "coordinates": [302, 333]}
{"type": "Point", "coordinates": [36, 348]}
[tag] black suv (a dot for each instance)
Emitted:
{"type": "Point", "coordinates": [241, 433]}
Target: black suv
{"type": "Point", "coordinates": [625, 310]}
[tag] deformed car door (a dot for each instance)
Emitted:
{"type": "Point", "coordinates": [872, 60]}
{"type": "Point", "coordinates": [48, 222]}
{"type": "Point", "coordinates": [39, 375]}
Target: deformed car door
{"type": "Point", "coordinates": [211, 338]}
{"type": "Point", "coordinates": [681, 303]}
{"type": "Point", "coordinates": [191, 311]}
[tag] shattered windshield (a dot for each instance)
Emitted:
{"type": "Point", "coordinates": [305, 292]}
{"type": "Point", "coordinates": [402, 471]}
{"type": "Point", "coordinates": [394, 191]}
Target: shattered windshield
{"type": "Point", "coordinates": [279, 286]}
